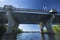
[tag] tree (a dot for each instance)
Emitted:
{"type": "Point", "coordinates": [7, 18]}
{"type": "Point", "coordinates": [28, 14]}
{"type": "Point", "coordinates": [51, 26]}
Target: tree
{"type": "Point", "coordinates": [16, 29]}
{"type": "Point", "coordinates": [2, 29]}
{"type": "Point", "coordinates": [56, 28]}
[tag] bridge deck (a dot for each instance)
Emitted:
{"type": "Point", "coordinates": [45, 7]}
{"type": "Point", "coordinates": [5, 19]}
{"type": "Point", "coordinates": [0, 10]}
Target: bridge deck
{"type": "Point", "coordinates": [28, 17]}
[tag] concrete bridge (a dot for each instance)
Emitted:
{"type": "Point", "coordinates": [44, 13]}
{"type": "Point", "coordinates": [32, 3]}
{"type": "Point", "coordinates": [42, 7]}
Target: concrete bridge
{"type": "Point", "coordinates": [15, 16]}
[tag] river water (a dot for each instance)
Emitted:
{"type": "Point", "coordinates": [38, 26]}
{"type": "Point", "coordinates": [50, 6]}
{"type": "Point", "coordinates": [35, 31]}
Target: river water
{"type": "Point", "coordinates": [31, 36]}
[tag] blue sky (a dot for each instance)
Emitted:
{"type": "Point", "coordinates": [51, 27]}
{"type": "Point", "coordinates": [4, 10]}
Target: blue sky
{"type": "Point", "coordinates": [29, 27]}
{"type": "Point", "coordinates": [32, 4]}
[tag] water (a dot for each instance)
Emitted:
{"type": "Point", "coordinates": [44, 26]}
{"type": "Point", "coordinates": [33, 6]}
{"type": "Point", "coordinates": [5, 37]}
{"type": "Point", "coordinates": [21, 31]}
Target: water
{"type": "Point", "coordinates": [31, 36]}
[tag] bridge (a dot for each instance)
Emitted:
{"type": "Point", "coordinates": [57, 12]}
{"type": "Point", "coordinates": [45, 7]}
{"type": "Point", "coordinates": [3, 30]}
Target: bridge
{"type": "Point", "coordinates": [15, 16]}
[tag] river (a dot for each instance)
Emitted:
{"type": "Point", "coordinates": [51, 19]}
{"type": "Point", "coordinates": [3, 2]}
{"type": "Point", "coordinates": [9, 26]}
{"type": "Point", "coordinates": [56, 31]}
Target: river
{"type": "Point", "coordinates": [31, 36]}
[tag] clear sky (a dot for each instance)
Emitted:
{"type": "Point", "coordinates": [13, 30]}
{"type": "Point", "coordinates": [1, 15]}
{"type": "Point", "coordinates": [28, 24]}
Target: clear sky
{"type": "Point", "coordinates": [29, 27]}
{"type": "Point", "coordinates": [32, 4]}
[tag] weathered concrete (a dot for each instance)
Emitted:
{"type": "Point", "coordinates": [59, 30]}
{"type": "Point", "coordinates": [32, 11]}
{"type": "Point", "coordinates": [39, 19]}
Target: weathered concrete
{"type": "Point", "coordinates": [41, 28]}
{"type": "Point", "coordinates": [50, 31]}
{"type": "Point", "coordinates": [10, 35]}
{"type": "Point", "coordinates": [49, 23]}
{"type": "Point", "coordinates": [11, 22]}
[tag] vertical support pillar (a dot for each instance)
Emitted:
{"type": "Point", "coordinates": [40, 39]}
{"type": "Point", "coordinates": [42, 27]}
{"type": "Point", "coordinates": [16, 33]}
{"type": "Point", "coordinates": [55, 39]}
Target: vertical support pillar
{"type": "Point", "coordinates": [41, 27]}
{"type": "Point", "coordinates": [49, 23]}
{"type": "Point", "coordinates": [10, 35]}
{"type": "Point", "coordinates": [11, 23]}
{"type": "Point", "coordinates": [49, 29]}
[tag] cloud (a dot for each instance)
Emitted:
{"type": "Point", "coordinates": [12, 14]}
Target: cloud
{"type": "Point", "coordinates": [2, 0]}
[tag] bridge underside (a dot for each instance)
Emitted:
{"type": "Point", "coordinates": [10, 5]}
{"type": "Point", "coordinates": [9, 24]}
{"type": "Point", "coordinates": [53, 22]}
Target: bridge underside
{"type": "Point", "coordinates": [28, 18]}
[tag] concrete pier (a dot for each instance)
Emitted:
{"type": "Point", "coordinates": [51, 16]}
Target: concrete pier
{"type": "Point", "coordinates": [12, 23]}
{"type": "Point", "coordinates": [10, 35]}
{"type": "Point", "coordinates": [41, 28]}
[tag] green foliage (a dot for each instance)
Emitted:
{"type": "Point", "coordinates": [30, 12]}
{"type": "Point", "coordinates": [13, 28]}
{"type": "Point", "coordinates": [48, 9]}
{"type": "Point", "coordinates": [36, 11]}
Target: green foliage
{"type": "Point", "coordinates": [44, 30]}
{"type": "Point", "coordinates": [2, 29]}
{"type": "Point", "coordinates": [57, 31]}
{"type": "Point", "coordinates": [15, 30]}
{"type": "Point", "coordinates": [19, 30]}
{"type": "Point", "coordinates": [57, 35]}
{"type": "Point", "coordinates": [56, 28]}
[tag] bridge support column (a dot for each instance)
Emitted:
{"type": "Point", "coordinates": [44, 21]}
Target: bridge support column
{"type": "Point", "coordinates": [11, 23]}
{"type": "Point", "coordinates": [10, 35]}
{"type": "Point", "coordinates": [49, 23]}
{"type": "Point", "coordinates": [41, 27]}
{"type": "Point", "coordinates": [49, 29]}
